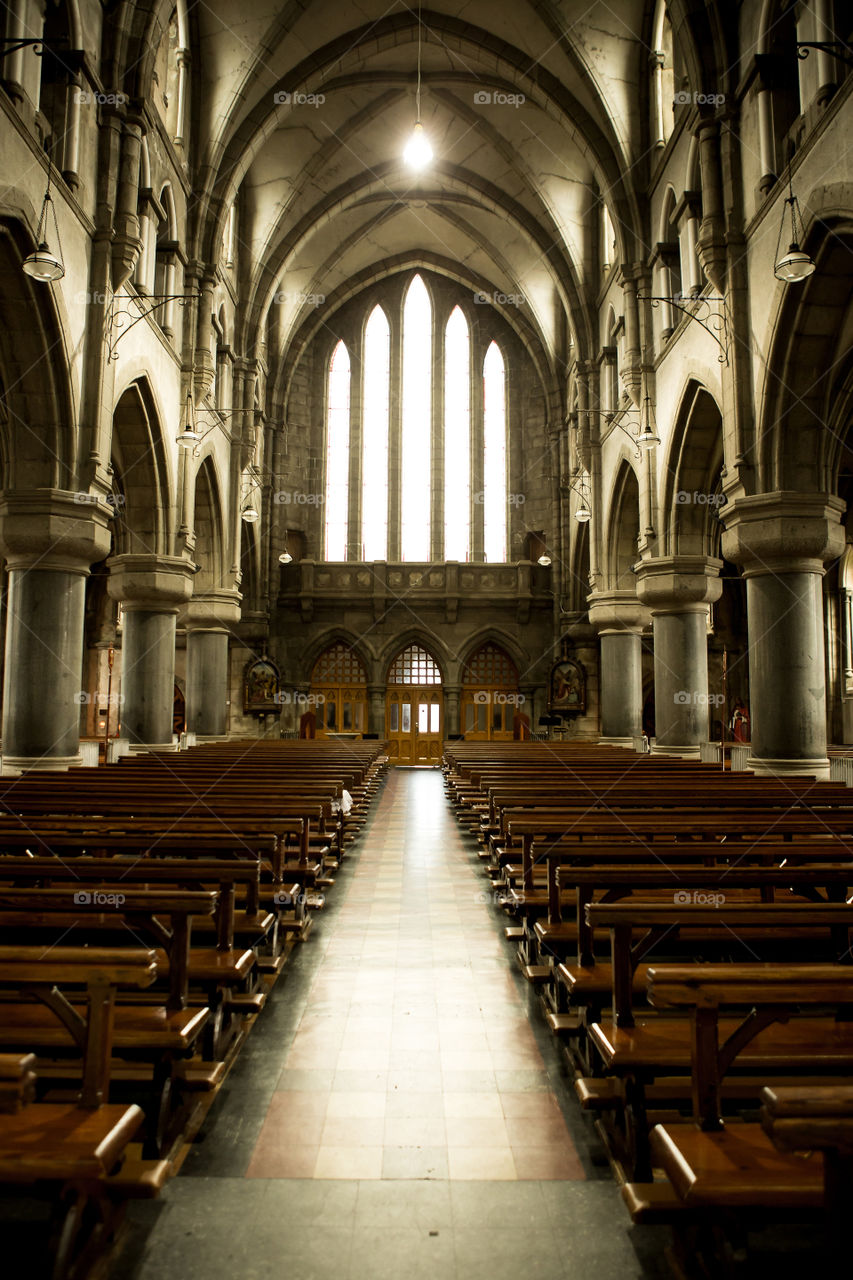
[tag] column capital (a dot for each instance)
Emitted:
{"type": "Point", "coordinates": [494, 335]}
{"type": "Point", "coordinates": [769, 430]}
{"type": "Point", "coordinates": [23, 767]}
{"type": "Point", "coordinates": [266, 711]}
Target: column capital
{"type": "Point", "coordinates": [212, 611]}
{"type": "Point", "coordinates": [617, 611]}
{"type": "Point", "coordinates": [783, 532]}
{"type": "Point", "coordinates": [53, 529]}
{"type": "Point", "coordinates": [679, 584]}
{"type": "Point", "coordinates": [578, 628]}
{"type": "Point", "coordinates": [160, 583]}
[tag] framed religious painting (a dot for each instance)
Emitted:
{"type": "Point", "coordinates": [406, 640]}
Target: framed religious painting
{"type": "Point", "coordinates": [261, 686]}
{"type": "Point", "coordinates": [567, 687]}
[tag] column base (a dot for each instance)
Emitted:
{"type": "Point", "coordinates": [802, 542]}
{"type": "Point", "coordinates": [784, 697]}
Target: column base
{"type": "Point", "coordinates": [141, 748]}
{"type": "Point", "coordinates": [617, 742]}
{"type": "Point", "coordinates": [44, 764]}
{"type": "Point", "coordinates": [685, 752]}
{"type": "Point", "coordinates": [815, 768]}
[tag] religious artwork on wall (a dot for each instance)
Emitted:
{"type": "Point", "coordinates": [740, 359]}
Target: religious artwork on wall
{"type": "Point", "coordinates": [567, 689]}
{"type": "Point", "coordinates": [261, 686]}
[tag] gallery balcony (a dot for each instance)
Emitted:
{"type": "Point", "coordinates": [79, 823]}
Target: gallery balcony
{"type": "Point", "coordinates": [519, 589]}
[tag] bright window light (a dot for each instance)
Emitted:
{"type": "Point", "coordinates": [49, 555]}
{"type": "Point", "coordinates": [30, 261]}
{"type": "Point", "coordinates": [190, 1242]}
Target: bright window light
{"type": "Point", "coordinates": [416, 461]}
{"type": "Point", "coordinates": [494, 460]}
{"type": "Point", "coordinates": [337, 454]}
{"type": "Point", "coordinates": [374, 486]}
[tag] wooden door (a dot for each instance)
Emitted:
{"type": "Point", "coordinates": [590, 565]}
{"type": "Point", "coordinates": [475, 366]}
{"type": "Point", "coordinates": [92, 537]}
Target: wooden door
{"type": "Point", "coordinates": [414, 724]}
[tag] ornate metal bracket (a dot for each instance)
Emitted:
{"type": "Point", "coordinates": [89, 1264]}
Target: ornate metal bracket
{"type": "Point", "coordinates": [699, 309]}
{"type": "Point", "coordinates": [835, 49]}
{"type": "Point", "coordinates": [145, 305]}
{"type": "Point", "coordinates": [56, 49]}
{"type": "Point", "coordinates": [12, 45]}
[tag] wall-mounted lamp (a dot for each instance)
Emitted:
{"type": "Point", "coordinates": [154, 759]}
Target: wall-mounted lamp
{"type": "Point", "coordinates": [647, 436]}
{"type": "Point", "coordinates": [795, 265]}
{"type": "Point", "coordinates": [544, 560]}
{"type": "Point", "coordinates": [43, 264]}
{"type": "Point", "coordinates": [582, 512]}
{"type": "Point", "coordinates": [190, 436]}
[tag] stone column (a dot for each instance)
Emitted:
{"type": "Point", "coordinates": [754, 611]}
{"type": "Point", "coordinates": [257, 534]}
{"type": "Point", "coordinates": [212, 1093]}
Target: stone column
{"type": "Point", "coordinates": [620, 619]}
{"type": "Point", "coordinates": [209, 620]}
{"type": "Point", "coordinates": [585, 650]}
{"type": "Point", "coordinates": [783, 540]}
{"type": "Point", "coordinates": [50, 540]}
{"type": "Point", "coordinates": [452, 693]}
{"type": "Point", "coordinates": [376, 709]}
{"type": "Point", "coordinates": [151, 588]}
{"type": "Point", "coordinates": [678, 590]}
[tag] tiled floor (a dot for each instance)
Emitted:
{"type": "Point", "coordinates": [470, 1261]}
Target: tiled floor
{"type": "Point", "coordinates": [421, 1053]}
{"type": "Point", "coordinates": [398, 1108]}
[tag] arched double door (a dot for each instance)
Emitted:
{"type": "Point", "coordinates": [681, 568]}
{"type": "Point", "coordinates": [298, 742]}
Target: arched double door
{"type": "Point", "coordinates": [338, 695]}
{"type": "Point", "coordinates": [491, 701]}
{"type": "Point", "coordinates": [414, 708]}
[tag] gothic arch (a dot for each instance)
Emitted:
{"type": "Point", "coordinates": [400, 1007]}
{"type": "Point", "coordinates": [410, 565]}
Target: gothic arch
{"type": "Point", "coordinates": [38, 395]}
{"type": "Point", "coordinates": [692, 491]}
{"type": "Point", "coordinates": [623, 529]}
{"type": "Point", "coordinates": [143, 517]}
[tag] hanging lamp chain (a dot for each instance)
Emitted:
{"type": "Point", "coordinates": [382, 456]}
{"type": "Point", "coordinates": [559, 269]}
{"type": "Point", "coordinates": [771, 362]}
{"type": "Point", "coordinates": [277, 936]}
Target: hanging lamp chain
{"type": "Point", "coordinates": [418, 90]}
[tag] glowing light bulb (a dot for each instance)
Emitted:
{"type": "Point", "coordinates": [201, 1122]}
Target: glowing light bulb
{"type": "Point", "coordinates": [418, 152]}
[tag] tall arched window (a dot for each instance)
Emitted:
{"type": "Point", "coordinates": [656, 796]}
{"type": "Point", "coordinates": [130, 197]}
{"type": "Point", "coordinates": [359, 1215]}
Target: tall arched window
{"type": "Point", "coordinates": [494, 456]}
{"type": "Point", "coordinates": [409, 459]}
{"type": "Point", "coordinates": [416, 459]}
{"type": "Point", "coordinates": [663, 81]}
{"type": "Point", "coordinates": [457, 437]}
{"type": "Point", "coordinates": [608, 239]}
{"type": "Point", "coordinates": [337, 454]}
{"type": "Point", "coordinates": [374, 487]}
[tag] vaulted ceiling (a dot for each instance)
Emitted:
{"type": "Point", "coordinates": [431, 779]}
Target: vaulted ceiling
{"type": "Point", "coordinates": [533, 110]}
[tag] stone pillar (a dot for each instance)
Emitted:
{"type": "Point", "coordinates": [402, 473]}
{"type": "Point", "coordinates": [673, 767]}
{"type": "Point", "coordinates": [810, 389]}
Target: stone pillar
{"type": "Point", "coordinates": [209, 620]}
{"type": "Point", "coordinates": [620, 619]}
{"type": "Point", "coordinates": [678, 590]}
{"type": "Point", "coordinates": [376, 709]}
{"type": "Point", "coordinates": [783, 540]}
{"type": "Point", "coordinates": [452, 693]}
{"type": "Point", "coordinates": [584, 649]}
{"type": "Point", "coordinates": [50, 540]}
{"type": "Point", "coordinates": [151, 588]}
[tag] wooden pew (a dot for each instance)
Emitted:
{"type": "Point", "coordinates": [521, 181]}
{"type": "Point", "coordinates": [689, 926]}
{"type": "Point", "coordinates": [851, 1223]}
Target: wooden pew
{"type": "Point", "coordinates": [91, 1027]}
{"type": "Point", "coordinates": [818, 1118]}
{"type": "Point", "coordinates": [77, 1158]}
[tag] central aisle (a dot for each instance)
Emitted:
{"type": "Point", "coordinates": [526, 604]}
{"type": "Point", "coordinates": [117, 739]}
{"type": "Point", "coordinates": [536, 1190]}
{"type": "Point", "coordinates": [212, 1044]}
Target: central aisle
{"type": "Point", "coordinates": [415, 1057]}
{"type": "Point", "coordinates": [396, 1110]}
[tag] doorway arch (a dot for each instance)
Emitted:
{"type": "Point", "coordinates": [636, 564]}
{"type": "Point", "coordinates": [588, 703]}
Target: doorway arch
{"type": "Point", "coordinates": [414, 708]}
{"type": "Point", "coordinates": [339, 691]}
{"type": "Point", "coordinates": [490, 694]}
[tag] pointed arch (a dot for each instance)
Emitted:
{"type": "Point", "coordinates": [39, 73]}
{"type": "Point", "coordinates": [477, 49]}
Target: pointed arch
{"type": "Point", "coordinates": [339, 690]}
{"type": "Point", "coordinates": [416, 442]}
{"type": "Point", "coordinates": [457, 436]}
{"type": "Point", "coordinates": [494, 454]}
{"type": "Point", "coordinates": [490, 695]}
{"type": "Point", "coordinates": [208, 529]}
{"type": "Point", "coordinates": [140, 474]}
{"type": "Point", "coordinates": [621, 552]}
{"type": "Point", "coordinates": [376, 395]}
{"type": "Point", "coordinates": [693, 492]}
{"type": "Point", "coordinates": [337, 453]}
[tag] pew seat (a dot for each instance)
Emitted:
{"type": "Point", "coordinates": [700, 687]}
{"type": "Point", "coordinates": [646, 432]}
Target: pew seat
{"type": "Point", "coordinates": [737, 1167]}
{"type": "Point", "coordinates": [59, 1142]}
